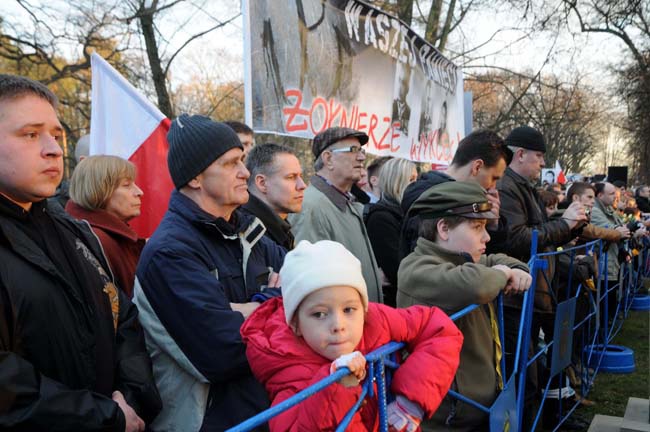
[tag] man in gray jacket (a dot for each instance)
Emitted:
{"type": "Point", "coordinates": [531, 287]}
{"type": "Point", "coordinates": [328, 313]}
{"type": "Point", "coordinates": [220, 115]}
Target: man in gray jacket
{"type": "Point", "coordinates": [604, 215]}
{"type": "Point", "coordinates": [329, 211]}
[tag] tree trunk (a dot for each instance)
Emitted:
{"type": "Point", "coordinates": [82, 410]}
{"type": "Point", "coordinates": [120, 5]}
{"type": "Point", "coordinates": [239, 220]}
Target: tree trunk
{"type": "Point", "coordinates": [405, 11]}
{"type": "Point", "coordinates": [159, 79]}
{"type": "Point", "coordinates": [433, 22]}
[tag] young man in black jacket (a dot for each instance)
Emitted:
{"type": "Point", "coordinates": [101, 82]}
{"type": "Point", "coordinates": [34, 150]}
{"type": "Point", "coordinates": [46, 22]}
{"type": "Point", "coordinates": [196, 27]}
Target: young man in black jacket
{"type": "Point", "coordinates": [72, 354]}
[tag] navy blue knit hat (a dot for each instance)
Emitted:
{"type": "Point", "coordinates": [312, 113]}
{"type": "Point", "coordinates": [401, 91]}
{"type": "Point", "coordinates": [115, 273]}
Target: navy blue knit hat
{"type": "Point", "coordinates": [194, 143]}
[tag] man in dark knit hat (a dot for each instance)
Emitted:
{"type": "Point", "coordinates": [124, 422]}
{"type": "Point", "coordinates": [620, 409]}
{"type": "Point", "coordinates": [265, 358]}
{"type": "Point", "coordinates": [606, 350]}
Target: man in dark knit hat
{"type": "Point", "coordinates": [521, 206]}
{"type": "Point", "coordinates": [329, 210]}
{"type": "Point", "coordinates": [205, 269]}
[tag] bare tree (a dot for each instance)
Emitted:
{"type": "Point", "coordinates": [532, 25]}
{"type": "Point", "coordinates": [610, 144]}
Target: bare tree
{"type": "Point", "coordinates": [35, 48]}
{"type": "Point", "coordinates": [146, 12]}
{"type": "Point", "coordinates": [570, 115]}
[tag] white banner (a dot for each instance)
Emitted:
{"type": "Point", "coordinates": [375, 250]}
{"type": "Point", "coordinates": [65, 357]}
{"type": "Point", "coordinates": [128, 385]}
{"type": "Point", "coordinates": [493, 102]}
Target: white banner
{"type": "Point", "coordinates": [314, 64]}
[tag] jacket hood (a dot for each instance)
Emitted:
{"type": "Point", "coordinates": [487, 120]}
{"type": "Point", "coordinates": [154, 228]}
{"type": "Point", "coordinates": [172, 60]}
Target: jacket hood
{"type": "Point", "coordinates": [268, 336]}
{"type": "Point", "coordinates": [426, 180]}
{"type": "Point", "coordinates": [386, 204]}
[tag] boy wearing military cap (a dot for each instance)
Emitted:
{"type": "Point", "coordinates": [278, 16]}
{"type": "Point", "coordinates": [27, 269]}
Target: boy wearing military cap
{"type": "Point", "coordinates": [449, 269]}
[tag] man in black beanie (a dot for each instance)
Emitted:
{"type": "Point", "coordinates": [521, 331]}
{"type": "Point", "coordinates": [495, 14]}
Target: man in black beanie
{"type": "Point", "coordinates": [199, 276]}
{"type": "Point", "coordinates": [521, 206]}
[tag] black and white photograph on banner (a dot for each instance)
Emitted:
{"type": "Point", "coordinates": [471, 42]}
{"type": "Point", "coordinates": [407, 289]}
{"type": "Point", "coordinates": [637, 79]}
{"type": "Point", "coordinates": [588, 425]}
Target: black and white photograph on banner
{"type": "Point", "coordinates": [315, 64]}
{"type": "Point", "coordinates": [548, 176]}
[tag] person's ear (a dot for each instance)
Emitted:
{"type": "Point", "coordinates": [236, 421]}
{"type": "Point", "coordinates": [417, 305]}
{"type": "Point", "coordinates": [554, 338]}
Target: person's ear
{"type": "Point", "coordinates": [293, 325]}
{"type": "Point", "coordinates": [520, 154]}
{"type": "Point", "coordinates": [477, 164]}
{"type": "Point", "coordinates": [575, 198]}
{"type": "Point", "coordinates": [374, 181]}
{"type": "Point", "coordinates": [195, 183]}
{"type": "Point", "coordinates": [326, 156]}
{"type": "Point", "coordinates": [443, 230]}
{"type": "Point", "coordinates": [260, 183]}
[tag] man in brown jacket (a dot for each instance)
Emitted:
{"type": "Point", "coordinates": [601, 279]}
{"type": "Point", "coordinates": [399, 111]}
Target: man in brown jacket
{"type": "Point", "coordinates": [449, 269]}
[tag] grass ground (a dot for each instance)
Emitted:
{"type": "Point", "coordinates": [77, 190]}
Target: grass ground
{"type": "Point", "coordinates": [611, 391]}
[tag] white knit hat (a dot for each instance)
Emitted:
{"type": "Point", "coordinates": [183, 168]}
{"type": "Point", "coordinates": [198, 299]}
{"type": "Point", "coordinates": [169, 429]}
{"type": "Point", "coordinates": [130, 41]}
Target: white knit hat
{"type": "Point", "coordinates": [310, 267]}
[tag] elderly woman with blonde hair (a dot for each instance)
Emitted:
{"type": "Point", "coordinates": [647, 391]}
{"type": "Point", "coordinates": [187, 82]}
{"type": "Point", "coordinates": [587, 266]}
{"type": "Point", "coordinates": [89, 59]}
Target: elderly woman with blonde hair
{"type": "Point", "coordinates": [384, 221]}
{"type": "Point", "coordinates": [104, 194]}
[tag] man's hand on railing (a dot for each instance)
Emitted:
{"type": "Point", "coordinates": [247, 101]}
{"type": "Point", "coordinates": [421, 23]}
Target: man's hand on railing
{"type": "Point", "coordinates": [354, 361]}
{"type": "Point", "coordinates": [575, 214]}
{"type": "Point", "coordinates": [403, 415]}
{"type": "Point", "coordinates": [518, 280]}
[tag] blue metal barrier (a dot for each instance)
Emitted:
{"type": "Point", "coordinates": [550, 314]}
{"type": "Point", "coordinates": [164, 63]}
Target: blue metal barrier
{"type": "Point", "coordinates": [508, 409]}
{"type": "Point", "coordinates": [596, 328]}
{"type": "Point", "coordinates": [377, 362]}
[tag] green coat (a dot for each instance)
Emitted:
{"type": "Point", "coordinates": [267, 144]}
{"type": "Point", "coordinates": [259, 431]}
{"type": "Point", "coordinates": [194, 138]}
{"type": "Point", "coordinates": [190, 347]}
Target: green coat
{"type": "Point", "coordinates": [434, 276]}
{"type": "Point", "coordinates": [328, 215]}
{"type": "Point", "coordinates": [605, 216]}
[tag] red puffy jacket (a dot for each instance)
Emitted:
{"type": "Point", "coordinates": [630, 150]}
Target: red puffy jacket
{"type": "Point", "coordinates": [285, 364]}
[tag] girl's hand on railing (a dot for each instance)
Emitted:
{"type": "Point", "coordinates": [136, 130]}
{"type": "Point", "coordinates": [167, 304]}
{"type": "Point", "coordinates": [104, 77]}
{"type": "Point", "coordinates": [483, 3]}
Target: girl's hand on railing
{"type": "Point", "coordinates": [403, 415]}
{"type": "Point", "coordinates": [354, 361]}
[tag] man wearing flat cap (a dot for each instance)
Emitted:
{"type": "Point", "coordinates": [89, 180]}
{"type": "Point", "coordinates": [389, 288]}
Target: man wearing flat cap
{"type": "Point", "coordinates": [521, 205]}
{"type": "Point", "coordinates": [449, 269]}
{"type": "Point", "coordinates": [199, 276]}
{"type": "Point", "coordinates": [329, 210]}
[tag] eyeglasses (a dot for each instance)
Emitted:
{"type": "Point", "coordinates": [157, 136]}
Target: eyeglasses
{"type": "Point", "coordinates": [351, 149]}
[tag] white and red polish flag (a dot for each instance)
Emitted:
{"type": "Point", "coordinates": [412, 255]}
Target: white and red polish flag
{"type": "Point", "coordinates": [559, 174]}
{"type": "Point", "coordinates": [124, 123]}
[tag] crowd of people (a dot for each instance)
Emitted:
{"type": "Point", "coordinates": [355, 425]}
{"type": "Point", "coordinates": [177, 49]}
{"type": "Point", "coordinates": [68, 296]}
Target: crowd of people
{"type": "Point", "coordinates": [258, 283]}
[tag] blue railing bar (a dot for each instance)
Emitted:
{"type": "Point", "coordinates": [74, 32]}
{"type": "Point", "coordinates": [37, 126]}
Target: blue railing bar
{"type": "Point", "coordinates": [384, 350]}
{"type": "Point", "coordinates": [371, 374]}
{"type": "Point", "coordinates": [541, 405]}
{"type": "Point", "coordinates": [464, 311]}
{"type": "Point", "coordinates": [469, 401]}
{"type": "Point", "coordinates": [573, 248]}
{"type": "Point", "coordinates": [381, 396]}
{"type": "Point", "coordinates": [524, 330]}
{"type": "Point", "coordinates": [567, 415]}
{"type": "Point", "coordinates": [522, 317]}
{"type": "Point", "coordinates": [391, 364]}
{"type": "Point", "coordinates": [538, 354]}
{"type": "Point", "coordinates": [502, 338]}
{"type": "Point", "coordinates": [268, 414]}
{"type": "Point", "coordinates": [348, 416]}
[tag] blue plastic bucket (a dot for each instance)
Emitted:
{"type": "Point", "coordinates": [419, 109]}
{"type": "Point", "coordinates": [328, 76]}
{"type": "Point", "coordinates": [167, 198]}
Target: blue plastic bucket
{"type": "Point", "coordinates": [616, 358]}
{"type": "Point", "coordinates": [641, 303]}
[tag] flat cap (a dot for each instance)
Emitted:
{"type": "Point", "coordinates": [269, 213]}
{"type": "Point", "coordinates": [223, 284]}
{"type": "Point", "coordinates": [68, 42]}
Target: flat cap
{"type": "Point", "coordinates": [333, 135]}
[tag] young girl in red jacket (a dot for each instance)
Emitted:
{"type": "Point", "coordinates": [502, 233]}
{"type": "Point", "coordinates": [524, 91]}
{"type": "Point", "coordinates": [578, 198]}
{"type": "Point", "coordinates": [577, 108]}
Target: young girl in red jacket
{"type": "Point", "coordinates": [324, 322]}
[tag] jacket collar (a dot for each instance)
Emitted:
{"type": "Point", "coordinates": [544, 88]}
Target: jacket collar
{"type": "Point", "coordinates": [14, 211]}
{"type": "Point", "coordinates": [608, 210]}
{"type": "Point", "coordinates": [102, 219]}
{"type": "Point", "coordinates": [517, 177]}
{"type": "Point", "coordinates": [427, 248]}
{"type": "Point", "coordinates": [269, 218]}
{"type": "Point", "coordinates": [240, 224]}
{"type": "Point", "coordinates": [337, 197]}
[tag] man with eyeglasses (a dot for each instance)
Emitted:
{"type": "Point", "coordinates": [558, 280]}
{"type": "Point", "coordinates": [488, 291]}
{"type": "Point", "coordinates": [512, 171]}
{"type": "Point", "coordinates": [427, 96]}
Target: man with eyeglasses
{"type": "Point", "coordinates": [329, 210]}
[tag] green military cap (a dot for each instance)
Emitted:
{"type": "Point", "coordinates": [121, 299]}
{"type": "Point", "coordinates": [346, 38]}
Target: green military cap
{"type": "Point", "coordinates": [453, 198]}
